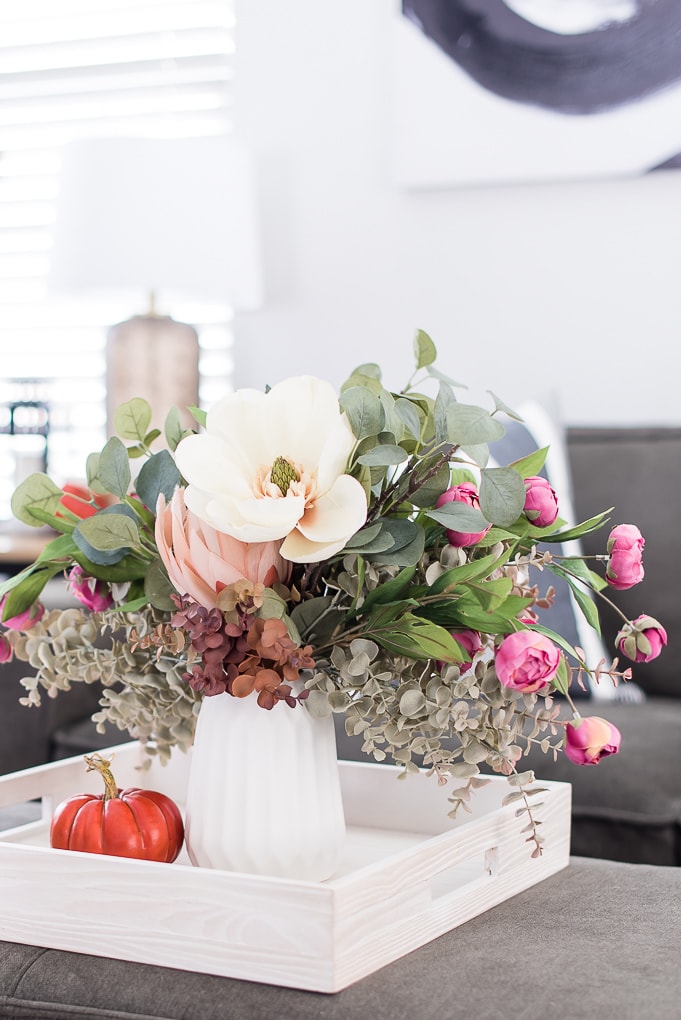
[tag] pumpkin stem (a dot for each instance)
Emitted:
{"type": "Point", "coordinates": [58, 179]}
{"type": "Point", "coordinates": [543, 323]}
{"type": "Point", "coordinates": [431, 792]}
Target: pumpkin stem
{"type": "Point", "coordinates": [101, 765]}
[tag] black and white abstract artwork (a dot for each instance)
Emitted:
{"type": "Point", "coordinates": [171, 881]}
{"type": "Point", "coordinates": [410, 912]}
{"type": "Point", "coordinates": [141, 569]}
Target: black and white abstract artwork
{"type": "Point", "coordinates": [505, 91]}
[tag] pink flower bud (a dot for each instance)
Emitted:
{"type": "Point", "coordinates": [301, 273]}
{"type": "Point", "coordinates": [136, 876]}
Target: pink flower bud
{"type": "Point", "coordinates": [471, 642]}
{"type": "Point", "coordinates": [25, 620]}
{"type": "Point", "coordinates": [6, 650]}
{"type": "Point", "coordinates": [641, 639]}
{"type": "Point", "coordinates": [526, 661]}
{"type": "Point", "coordinates": [464, 493]}
{"type": "Point", "coordinates": [625, 566]}
{"type": "Point", "coordinates": [94, 594]}
{"type": "Point", "coordinates": [590, 739]}
{"type": "Point", "coordinates": [541, 502]}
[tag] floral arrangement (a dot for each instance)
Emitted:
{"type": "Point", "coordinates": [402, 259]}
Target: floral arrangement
{"type": "Point", "coordinates": [352, 553]}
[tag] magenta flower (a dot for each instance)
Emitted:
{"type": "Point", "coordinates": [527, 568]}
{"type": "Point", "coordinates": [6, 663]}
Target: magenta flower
{"type": "Point", "coordinates": [625, 565]}
{"type": "Point", "coordinates": [6, 650]}
{"type": "Point", "coordinates": [642, 639]}
{"type": "Point", "coordinates": [590, 739]}
{"type": "Point", "coordinates": [93, 593]}
{"type": "Point", "coordinates": [541, 502]}
{"type": "Point", "coordinates": [526, 661]}
{"type": "Point", "coordinates": [25, 620]}
{"type": "Point", "coordinates": [465, 493]}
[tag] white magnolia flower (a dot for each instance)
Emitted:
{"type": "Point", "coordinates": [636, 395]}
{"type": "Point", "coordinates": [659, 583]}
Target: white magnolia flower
{"type": "Point", "coordinates": [272, 466]}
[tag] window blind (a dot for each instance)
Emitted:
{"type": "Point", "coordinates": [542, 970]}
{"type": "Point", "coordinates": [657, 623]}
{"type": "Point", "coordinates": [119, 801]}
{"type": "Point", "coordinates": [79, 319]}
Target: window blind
{"type": "Point", "coordinates": [72, 69]}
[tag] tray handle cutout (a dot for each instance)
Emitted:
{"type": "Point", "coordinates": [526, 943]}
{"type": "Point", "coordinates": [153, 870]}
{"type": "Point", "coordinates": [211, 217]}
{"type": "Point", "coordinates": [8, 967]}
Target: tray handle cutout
{"type": "Point", "coordinates": [480, 867]}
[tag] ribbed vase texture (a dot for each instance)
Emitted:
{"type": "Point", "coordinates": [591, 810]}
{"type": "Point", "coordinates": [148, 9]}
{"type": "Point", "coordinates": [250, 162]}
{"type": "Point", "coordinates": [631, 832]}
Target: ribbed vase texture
{"type": "Point", "coordinates": [264, 791]}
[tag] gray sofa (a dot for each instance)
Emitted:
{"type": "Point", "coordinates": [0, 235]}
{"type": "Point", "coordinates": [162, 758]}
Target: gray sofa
{"type": "Point", "coordinates": [628, 808]}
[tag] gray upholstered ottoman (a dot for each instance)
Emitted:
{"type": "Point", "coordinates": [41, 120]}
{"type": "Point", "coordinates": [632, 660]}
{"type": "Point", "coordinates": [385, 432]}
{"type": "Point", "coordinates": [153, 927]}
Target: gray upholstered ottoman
{"type": "Point", "coordinates": [597, 939]}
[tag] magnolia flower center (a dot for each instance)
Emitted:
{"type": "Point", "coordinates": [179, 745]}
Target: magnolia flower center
{"type": "Point", "coordinates": [285, 478]}
{"type": "Point", "coordinates": [282, 473]}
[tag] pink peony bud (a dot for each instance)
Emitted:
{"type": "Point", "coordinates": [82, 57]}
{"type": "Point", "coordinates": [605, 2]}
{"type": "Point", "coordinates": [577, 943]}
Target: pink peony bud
{"type": "Point", "coordinates": [471, 642]}
{"type": "Point", "coordinates": [526, 661]}
{"type": "Point", "coordinates": [590, 739]}
{"type": "Point", "coordinates": [94, 594]}
{"type": "Point", "coordinates": [541, 502]}
{"type": "Point", "coordinates": [625, 566]}
{"type": "Point", "coordinates": [641, 639]}
{"type": "Point", "coordinates": [25, 620]}
{"type": "Point", "coordinates": [6, 650]}
{"type": "Point", "coordinates": [464, 493]}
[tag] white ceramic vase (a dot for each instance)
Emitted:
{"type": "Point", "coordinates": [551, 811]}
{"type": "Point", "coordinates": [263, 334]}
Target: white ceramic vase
{"type": "Point", "coordinates": [264, 791]}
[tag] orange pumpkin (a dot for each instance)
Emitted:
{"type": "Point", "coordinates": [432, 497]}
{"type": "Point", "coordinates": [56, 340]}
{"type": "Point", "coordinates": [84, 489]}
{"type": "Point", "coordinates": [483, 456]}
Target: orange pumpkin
{"type": "Point", "coordinates": [136, 823]}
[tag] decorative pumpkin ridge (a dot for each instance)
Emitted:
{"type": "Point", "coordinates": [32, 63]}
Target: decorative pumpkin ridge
{"type": "Point", "coordinates": [143, 824]}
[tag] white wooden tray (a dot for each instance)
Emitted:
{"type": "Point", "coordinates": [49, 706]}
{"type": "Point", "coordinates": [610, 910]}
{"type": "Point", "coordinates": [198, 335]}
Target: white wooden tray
{"type": "Point", "coordinates": [409, 874]}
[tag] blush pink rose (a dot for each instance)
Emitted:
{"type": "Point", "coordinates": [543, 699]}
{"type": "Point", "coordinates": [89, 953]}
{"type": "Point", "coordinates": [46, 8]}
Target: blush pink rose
{"type": "Point", "coordinates": [25, 620]}
{"type": "Point", "coordinates": [526, 661]}
{"type": "Point", "coordinates": [93, 593]}
{"type": "Point", "coordinates": [642, 639]}
{"type": "Point", "coordinates": [625, 565]}
{"type": "Point", "coordinates": [541, 502]}
{"type": "Point", "coordinates": [465, 493]}
{"type": "Point", "coordinates": [202, 561]}
{"type": "Point", "coordinates": [590, 739]}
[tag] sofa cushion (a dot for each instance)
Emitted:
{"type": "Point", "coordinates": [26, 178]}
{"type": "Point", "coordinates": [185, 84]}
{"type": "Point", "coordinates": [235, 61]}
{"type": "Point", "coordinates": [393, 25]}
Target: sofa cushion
{"type": "Point", "coordinates": [637, 471]}
{"type": "Point", "coordinates": [628, 807]}
{"type": "Point", "coordinates": [497, 965]}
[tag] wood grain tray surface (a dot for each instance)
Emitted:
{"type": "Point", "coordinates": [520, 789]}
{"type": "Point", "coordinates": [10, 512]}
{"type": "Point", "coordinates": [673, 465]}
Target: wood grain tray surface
{"type": "Point", "coordinates": [408, 875]}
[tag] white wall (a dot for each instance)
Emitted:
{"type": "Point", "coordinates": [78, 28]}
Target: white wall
{"type": "Point", "coordinates": [566, 290]}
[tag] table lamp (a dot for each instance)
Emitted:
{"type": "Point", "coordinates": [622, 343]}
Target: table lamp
{"type": "Point", "coordinates": [156, 221]}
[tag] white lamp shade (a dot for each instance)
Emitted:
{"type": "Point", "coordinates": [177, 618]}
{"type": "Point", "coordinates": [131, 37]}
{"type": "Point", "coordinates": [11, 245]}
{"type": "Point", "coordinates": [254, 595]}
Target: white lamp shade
{"type": "Point", "coordinates": [176, 217]}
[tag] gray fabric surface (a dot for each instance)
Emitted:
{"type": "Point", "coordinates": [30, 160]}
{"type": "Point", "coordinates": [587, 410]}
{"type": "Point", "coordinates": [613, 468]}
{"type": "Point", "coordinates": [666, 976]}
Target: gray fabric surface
{"type": "Point", "coordinates": [638, 471]}
{"type": "Point", "coordinates": [598, 939]}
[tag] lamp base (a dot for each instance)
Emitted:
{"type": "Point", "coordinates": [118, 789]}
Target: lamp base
{"type": "Point", "coordinates": [154, 357]}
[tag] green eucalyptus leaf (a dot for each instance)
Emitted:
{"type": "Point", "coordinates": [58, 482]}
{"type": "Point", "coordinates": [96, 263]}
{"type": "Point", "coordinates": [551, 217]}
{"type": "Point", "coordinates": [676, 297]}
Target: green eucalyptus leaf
{"type": "Point", "coordinates": [158, 475]}
{"type": "Point", "coordinates": [37, 492]}
{"type": "Point", "coordinates": [445, 398]}
{"type": "Point", "coordinates": [174, 429]}
{"type": "Point", "coordinates": [151, 437]}
{"type": "Point", "coordinates": [373, 539]}
{"type": "Point", "coordinates": [458, 516]}
{"type": "Point", "coordinates": [132, 419]}
{"type": "Point", "coordinates": [499, 405]}
{"type": "Point", "coordinates": [113, 470]}
{"type": "Point", "coordinates": [409, 416]}
{"type": "Point", "coordinates": [478, 453]}
{"type": "Point", "coordinates": [383, 456]}
{"type": "Point", "coordinates": [530, 466]}
{"type": "Point", "coordinates": [468, 424]}
{"type": "Point", "coordinates": [427, 494]}
{"type": "Point", "coordinates": [364, 411]}
{"type": "Point", "coordinates": [109, 531]}
{"type": "Point", "coordinates": [198, 414]}
{"type": "Point", "coordinates": [502, 495]}
{"type": "Point", "coordinates": [158, 587]}
{"type": "Point", "coordinates": [425, 350]}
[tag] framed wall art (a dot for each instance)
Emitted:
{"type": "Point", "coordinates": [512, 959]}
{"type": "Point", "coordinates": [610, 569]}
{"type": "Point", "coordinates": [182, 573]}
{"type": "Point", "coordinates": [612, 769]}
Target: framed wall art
{"type": "Point", "coordinates": [506, 91]}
